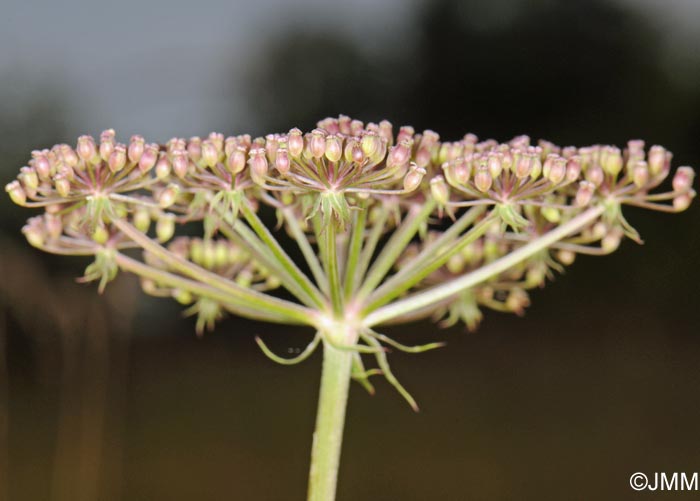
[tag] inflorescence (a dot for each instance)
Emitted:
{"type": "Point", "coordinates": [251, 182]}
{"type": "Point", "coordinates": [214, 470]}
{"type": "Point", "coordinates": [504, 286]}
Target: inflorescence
{"type": "Point", "coordinates": [389, 222]}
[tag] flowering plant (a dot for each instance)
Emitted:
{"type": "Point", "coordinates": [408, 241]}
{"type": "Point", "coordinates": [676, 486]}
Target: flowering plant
{"type": "Point", "coordinates": [393, 227]}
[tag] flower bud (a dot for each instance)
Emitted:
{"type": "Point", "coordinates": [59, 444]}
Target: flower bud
{"type": "Point", "coordinates": [41, 164]}
{"type": "Point", "coordinates": [385, 131]}
{"type": "Point", "coordinates": [194, 148]}
{"type": "Point", "coordinates": [62, 185]}
{"type": "Point", "coordinates": [235, 163]}
{"type": "Point", "coordinates": [136, 148]}
{"type": "Point", "coordinates": [413, 178]}
{"type": "Point", "coordinates": [640, 174]}
{"type": "Point", "coordinates": [334, 148]}
{"type": "Point", "coordinates": [87, 150]}
{"type": "Point", "coordinates": [573, 168]}
{"type": "Point", "coordinates": [258, 165]}
{"type": "Point", "coordinates": [282, 163]}
{"type": "Point", "coordinates": [683, 179]}
{"type": "Point", "coordinates": [370, 144]}
{"type": "Point", "coordinates": [295, 143]}
{"type": "Point", "coordinates": [494, 164]}
{"type": "Point", "coordinates": [523, 166]}
{"type": "Point", "coordinates": [29, 178]}
{"type": "Point", "coordinates": [611, 160]}
{"type": "Point", "coordinates": [165, 227]}
{"type": "Point", "coordinates": [585, 192]}
{"type": "Point", "coordinates": [142, 219]}
{"type": "Point", "coordinates": [69, 156]}
{"type": "Point", "coordinates": [107, 144]}
{"type": "Point", "coordinates": [182, 296]}
{"type": "Point", "coordinates": [595, 175]}
{"type": "Point", "coordinates": [551, 214]}
{"type": "Point", "coordinates": [399, 154]}
{"type": "Point", "coordinates": [16, 192]}
{"type": "Point", "coordinates": [179, 163]}
{"type": "Point", "coordinates": [117, 159]}
{"type": "Point", "coordinates": [168, 196]}
{"type": "Point", "coordinates": [149, 157]}
{"type": "Point", "coordinates": [483, 179]}
{"type": "Point", "coordinates": [611, 241]}
{"type": "Point", "coordinates": [566, 257]}
{"type": "Point", "coordinates": [682, 202]}
{"type": "Point", "coordinates": [557, 170]}
{"type": "Point", "coordinates": [34, 232]}
{"type": "Point", "coordinates": [406, 133]}
{"type": "Point", "coordinates": [317, 143]}
{"type": "Point", "coordinates": [439, 190]}
{"type": "Point", "coordinates": [656, 159]}
{"type": "Point", "coordinates": [210, 154]}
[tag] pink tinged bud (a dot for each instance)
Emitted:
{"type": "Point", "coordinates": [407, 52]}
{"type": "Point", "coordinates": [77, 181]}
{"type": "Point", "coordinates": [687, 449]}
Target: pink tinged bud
{"type": "Point", "coordinates": [117, 160]}
{"type": "Point", "coordinates": [29, 178]}
{"type": "Point", "coordinates": [483, 179]}
{"type": "Point", "coordinates": [494, 165]}
{"type": "Point", "coordinates": [194, 148]}
{"type": "Point", "coordinates": [258, 165]}
{"type": "Point", "coordinates": [163, 166]}
{"type": "Point", "coordinates": [682, 202]}
{"type": "Point", "coordinates": [282, 163]}
{"type": "Point", "coordinates": [370, 144]}
{"type": "Point", "coordinates": [317, 143]}
{"type": "Point", "coordinates": [62, 185]}
{"type": "Point", "coordinates": [595, 174]}
{"type": "Point", "coordinates": [295, 143]}
{"type": "Point", "coordinates": [566, 257]}
{"type": "Point", "coordinates": [640, 174]}
{"type": "Point", "coordinates": [344, 124]}
{"type": "Point", "coordinates": [406, 133]}
{"type": "Point", "coordinates": [683, 179]}
{"type": "Point", "coordinates": [210, 154]}
{"type": "Point", "coordinates": [180, 163]}
{"type": "Point", "coordinates": [142, 220]}
{"type": "Point", "coordinates": [523, 166]}
{"type": "Point", "coordinates": [165, 227]}
{"type": "Point", "coordinates": [573, 168]}
{"type": "Point", "coordinates": [635, 147]}
{"type": "Point", "coordinates": [217, 139]}
{"type": "Point", "coordinates": [611, 160]}
{"type": "Point", "coordinates": [385, 131]}
{"type": "Point", "coordinates": [356, 127]}
{"type": "Point", "coordinates": [17, 194]}
{"type": "Point", "coordinates": [536, 165]}
{"type": "Point", "coordinates": [585, 192]}
{"type": "Point", "coordinates": [657, 159]}
{"type": "Point", "coordinates": [34, 232]}
{"type": "Point", "coordinates": [413, 178]}
{"type": "Point", "coordinates": [87, 150]}
{"type": "Point", "coordinates": [557, 171]}
{"type": "Point", "coordinates": [107, 144]}
{"type": "Point", "coordinates": [611, 241]}
{"type": "Point", "coordinates": [168, 196]}
{"type": "Point", "coordinates": [148, 158]}
{"type": "Point", "coordinates": [69, 156]}
{"type": "Point", "coordinates": [235, 161]}
{"type": "Point", "coordinates": [41, 163]}
{"type": "Point", "coordinates": [399, 154]}
{"type": "Point", "coordinates": [136, 148]}
{"type": "Point", "coordinates": [100, 234]}
{"type": "Point", "coordinates": [334, 148]}
{"type": "Point", "coordinates": [439, 190]}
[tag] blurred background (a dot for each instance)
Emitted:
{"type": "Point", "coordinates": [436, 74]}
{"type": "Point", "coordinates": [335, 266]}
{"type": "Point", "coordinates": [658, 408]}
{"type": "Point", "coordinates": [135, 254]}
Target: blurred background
{"type": "Point", "coordinates": [114, 398]}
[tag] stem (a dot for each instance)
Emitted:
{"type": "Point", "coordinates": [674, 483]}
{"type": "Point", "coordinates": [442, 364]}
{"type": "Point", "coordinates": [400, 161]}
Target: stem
{"type": "Point", "coordinates": [306, 249]}
{"type": "Point", "coordinates": [355, 248]}
{"type": "Point", "coordinates": [330, 420]}
{"type": "Point", "coordinates": [440, 292]}
{"type": "Point", "coordinates": [330, 258]}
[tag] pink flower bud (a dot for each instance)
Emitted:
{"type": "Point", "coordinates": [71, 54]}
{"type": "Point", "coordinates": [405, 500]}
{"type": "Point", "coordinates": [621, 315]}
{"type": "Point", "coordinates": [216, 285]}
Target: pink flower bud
{"type": "Point", "coordinates": [640, 174]}
{"type": "Point", "coordinates": [334, 148]}
{"type": "Point", "coordinates": [573, 168]}
{"type": "Point", "coordinates": [585, 192]}
{"type": "Point", "coordinates": [168, 196]}
{"type": "Point", "coordinates": [656, 160]}
{"type": "Point", "coordinates": [282, 163]}
{"type": "Point", "coordinates": [595, 174]}
{"type": "Point", "coordinates": [370, 144]}
{"type": "Point", "coordinates": [523, 166]}
{"type": "Point", "coordinates": [295, 143]}
{"type": "Point", "coordinates": [413, 178]}
{"type": "Point", "coordinates": [557, 171]}
{"type": "Point", "coordinates": [399, 154]}
{"type": "Point", "coordinates": [683, 179]}
{"type": "Point", "coordinates": [406, 133]}
{"type": "Point", "coordinates": [194, 148]}
{"type": "Point", "coordinates": [210, 154]}
{"type": "Point", "coordinates": [217, 139]}
{"type": "Point", "coordinates": [136, 148]}
{"type": "Point", "coordinates": [107, 144]}
{"type": "Point", "coordinates": [356, 127]}
{"type": "Point", "coordinates": [69, 156]}
{"type": "Point", "coordinates": [682, 202]}
{"type": "Point", "coordinates": [87, 150]}
{"type": "Point", "coordinates": [163, 166]}
{"type": "Point", "coordinates": [34, 232]}
{"type": "Point", "coordinates": [494, 164]}
{"type": "Point", "coordinates": [258, 165]}
{"type": "Point", "coordinates": [317, 143]}
{"type": "Point", "coordinates": [566, 257]}
{"type": "Point", "coordinates": [62, 185]}
{"type": "Point", "coordinates": [29, 178]}
{"type": "Point", "coordinates": [17, 194]}
{"type": "Point", "coordinates": [149, 157]}
{"type": "Point", "coordinates": [41, 164]}
{"type": "Point", "coordinates": [117, 159]}
{"type": "Point", "coordinates": [235, 163]}
{"type": "Point", "coordinates": [483, 179]}
{"type": "Point", "coordinates": [385, 131]}
{"type": "Point", "coordinates": [439, 190]}
{"type": "Point", "coordinates": [179, 163]}
{"type": "Point", "coordinates": [611, 160]}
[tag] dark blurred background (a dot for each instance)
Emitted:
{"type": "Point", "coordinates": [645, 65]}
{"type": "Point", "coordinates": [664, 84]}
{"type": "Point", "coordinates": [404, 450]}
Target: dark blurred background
{"type": "Point", "coordinates": [113, 397]}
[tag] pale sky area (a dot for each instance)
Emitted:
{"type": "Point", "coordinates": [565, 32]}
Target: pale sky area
{"type": "Point", "coordinates": [160, 67]}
